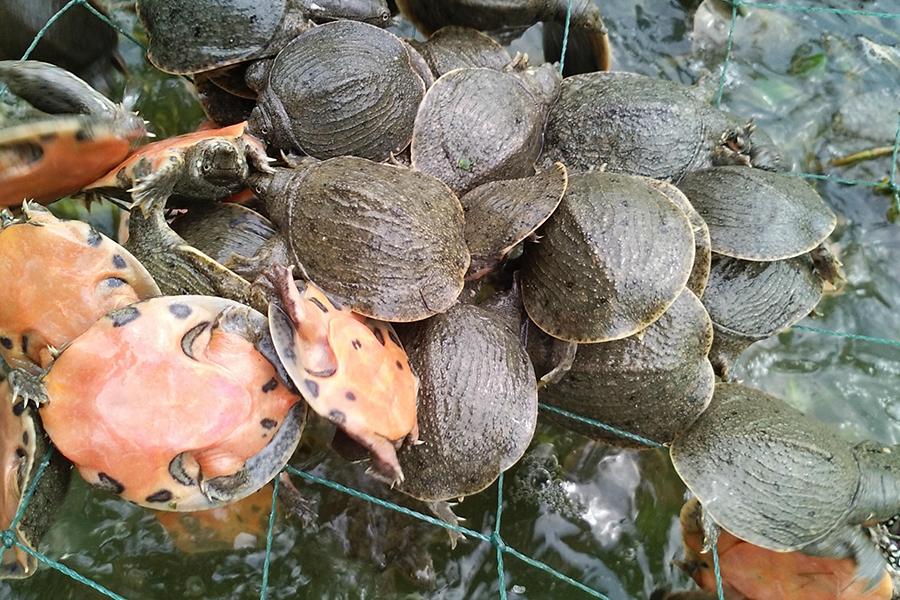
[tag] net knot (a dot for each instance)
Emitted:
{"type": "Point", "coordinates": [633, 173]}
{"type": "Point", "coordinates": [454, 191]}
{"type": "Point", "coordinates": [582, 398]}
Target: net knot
{"type": "Point", "coordinates": [497, 541]}
{"type": "Point", "coordinates": [8, 538]}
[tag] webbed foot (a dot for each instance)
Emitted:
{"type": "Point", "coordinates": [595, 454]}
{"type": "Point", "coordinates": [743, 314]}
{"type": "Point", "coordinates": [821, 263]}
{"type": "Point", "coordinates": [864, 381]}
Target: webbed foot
{"type": "Point", "coordinates": [27, 387]}
{"type": "Point", "coordinates": [152, 187]}
{"type": "Point", "coordinates": [443, 512]}
{"type": "Point", "coordinates": [563, 354]}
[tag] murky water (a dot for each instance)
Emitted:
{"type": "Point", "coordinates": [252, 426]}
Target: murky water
{"type": "Point", "coordinates": [823, 85]}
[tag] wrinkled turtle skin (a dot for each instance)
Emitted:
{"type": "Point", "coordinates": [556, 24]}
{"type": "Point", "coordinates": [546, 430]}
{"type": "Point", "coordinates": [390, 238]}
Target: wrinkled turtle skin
{"type": "Point", "coordinates": [350, 369]}
{"type": "Point", "coordinates": [224, 231]}
{"type": "Point", "coordinates": [653, 384]}
{"type": "Point", "coordinates": [50, 157]}
{"type": "Point", "coordinates": [209, 164]}
{"type": "Point", "coordinates": [305, 106]}
{"type": "Point", "coordinates": [509, 18]}
{"type": "Point", "coordinates": [452, 48]}
{"type": "Point", "coordinates": [777, 479]}
{"type": "Point", "coordinates": [387, 242]}
{"type": "Point", "coordinates": [612, 258]}
{"type": "Point", "coordinates": [173, 403]}
{"type": "Point", "coordinates": [644, 126]}
{"type": "Point", "coordinates": [750, 301]}
{"type": "Point", "coordinates": [58, 278]}
{"type": "Point", "coordinates": [792, 219]}
{"type": "Point", "coordinates": [202, 35]}
{"type": "Point", "coordinates": [753, 573]}
{"type": "Point", "coordinates": [480, 125]}
{"type": "Point", "coordinates": [23, 446]}
{"type": "Point", "coordinates": [477, 405]}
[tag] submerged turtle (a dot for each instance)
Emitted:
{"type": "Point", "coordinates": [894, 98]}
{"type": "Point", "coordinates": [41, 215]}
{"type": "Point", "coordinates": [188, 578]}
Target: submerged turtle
{"type": "Point", "coordinates": [480, 125]}
{"type": "Point", "coordinates": [477, 405]}
{"type": "Point", "coordinates": [755, 573]}
{"type": "Point", "coordinates": [209, 165]}
{"type": "Point", "coordinates": [305, 105]}
{"type": "Point", "coordinates": [386, 242]}
{"type": "Point", "coordinates": [452, 48]}
{"type": "Point", "coordinates": [612, 258]}
{"type": "Point", "coordinates": [23, 445]}
{"type": "Point", "coordinates": [202, 35]}
{"type": "Point", "coordinates": [350, 369]}
{"type": "Point", "coordinates": [58, 278]}
{"type": "Point", "coordinates": [643, 126]}
{"type": "Point", "coordinates": [780, 480]}
{"type": "Point", "coordinates": [50, 157]}
{"type": "Point", "coordinates": [172, 403]}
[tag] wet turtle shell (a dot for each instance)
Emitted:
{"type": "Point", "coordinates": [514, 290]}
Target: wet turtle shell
{"type": "Point", "coordinates": [477, 403]}
{"type": "Point", "coordinates": [612, 258]}
{"type": "Point", "coordinates": [23, 445]}
{"type": "Point", "coordinates": [792, 218]}
{"type": "Point", "coordinates": [480, 125]}
{"type": "Point", "coordinates": [654, 383]}
{"type": "Point", "coordinates": [452, 48]}
{"type": "Point", "coordinates": [500, 214]}
{"type": "Point", "coordinates": [749, 301]}
{"type": "Point", "coordinates": [222, 108]}
{"type": "Point", "coordinates": [350, 369]}
{"type": "Point", "coordinates": [224, 231]}
{"type": "Point", "coordinates": [643, 126]}
{"type": "Point", "coordinates": [59, 277]}
{"type": "Point", "coordinates": [172, 403]}
{"type": "Point", "coordinates": [385, 241]}
{"type": "Point", "coordinates": [305, 105]}
{"type": "Point", "coordinates": [783, 481]}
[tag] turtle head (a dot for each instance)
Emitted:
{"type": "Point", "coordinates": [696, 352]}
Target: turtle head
{"type": "Point", "coordinates": [878, 496]}
{"type": "Point", "coordinates": [218, 161]}
{"type": "Point", "coordinates": [747, 146]}
{"type": "Point", "coordinates": [272, 189]}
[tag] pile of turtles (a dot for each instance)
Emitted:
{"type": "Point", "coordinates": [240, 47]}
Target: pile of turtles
{"type": "Point", "coordinates": [416, 240]}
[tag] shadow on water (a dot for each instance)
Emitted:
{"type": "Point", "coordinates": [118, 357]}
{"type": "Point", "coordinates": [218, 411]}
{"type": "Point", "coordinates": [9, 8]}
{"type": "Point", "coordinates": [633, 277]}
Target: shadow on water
{"type": "Point", "coordinates": [823, 85]}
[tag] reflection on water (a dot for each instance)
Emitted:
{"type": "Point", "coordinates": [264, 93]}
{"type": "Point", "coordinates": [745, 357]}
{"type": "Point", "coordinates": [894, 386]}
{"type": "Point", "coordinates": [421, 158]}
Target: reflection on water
{"type": "Point", "coordinates": [823, 85]}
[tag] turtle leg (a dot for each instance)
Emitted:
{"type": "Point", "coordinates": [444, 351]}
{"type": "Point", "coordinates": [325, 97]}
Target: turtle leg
{"type": "Point", "coordinates": [563, 354]}
{"type": "Point", "coordinates": [28, 387]}
{"type": "Point", "coordinates": [255, 151]}
{"type": "Point", "coordinates": [386, 467]}
{"type": "Point", "coordinates": [710, 531]}
{"type": "Point", "coordinates": [153, 186]}
{"type": "Point", "coordinates": [442, 511]}
{"type": "Point", "coordinates": [294, 501]}
{"type": "Point", "coordinates": [870, 562]}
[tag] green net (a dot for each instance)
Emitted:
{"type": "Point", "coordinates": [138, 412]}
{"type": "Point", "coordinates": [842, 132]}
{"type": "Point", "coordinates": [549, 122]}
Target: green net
{"type": "Point", "coordinates": [9, 539]}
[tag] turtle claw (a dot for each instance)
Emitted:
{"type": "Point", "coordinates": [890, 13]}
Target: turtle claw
{"type": "Point", "coordinates": [28, 387]}
{"type": "Point", "coordinates": [443, 512]}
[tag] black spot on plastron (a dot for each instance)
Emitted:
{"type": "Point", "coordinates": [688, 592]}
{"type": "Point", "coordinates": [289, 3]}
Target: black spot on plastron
{"type": "Point", "coordinates": [350, 396]}
{"type": "Point", "coordinates": [115, 282]}
{"type": "Point", "coordinates": [321, 306]}
{"type": "Point", "coordinates": [6, 343]}
{"type": "Point", "coordinates": [356, 344]}
{"type": "Point", "coordinates": [337, 417]}
{"type": "Point", "coordinates": [394, 337]}
{"type": "Point", "coordinates": [20, 452]}
{"type": "Point", "coordinates": [109, 484]}
{"type": "Point", "coordinates": [378, 335]}
{"type": "Point", "coordinates": [399, 365]}
{"type": "Point", "coordinates": [270, 385]}
{"type": "Point", "coordinates": [268, 423]}
{"type": "Point", "coordinates": [94, 238]}
{"type": "Point", "coordinates": [160, 496]}
{"type": "Point", "coordinates": [313, 387]}
{"type": "Point", "coordinates": [24, 344]}
{"type": "Point", "coordinates": [119, 262]}
{"type": "Point", "coordinates": [180, 311]}
{"type": "Point", "coordinates": [25, 438]}
{"type": "Point", "coordinates": [19, 408]}
{"type": "Point", "coordinates": [124, 316]}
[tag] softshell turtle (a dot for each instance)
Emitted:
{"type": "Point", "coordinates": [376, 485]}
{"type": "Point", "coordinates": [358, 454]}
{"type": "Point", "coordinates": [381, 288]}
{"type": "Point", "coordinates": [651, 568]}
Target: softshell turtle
{"type": "Point", "coordinates": [350, 369]}
{"type": "Point", "coordinates": [385, 241]}
{"type": "Point", "coordinates": [643, 126]}
{"type": "Point", "coordinates": [224, 231]}
{"type": "Point", "coordinates": [23, 445]}
{"type": "Point", "coordinates": [500, 214]}
{"type": "Point", "coordinates": [749, 301]}
{"type": "Point", "coordinates": [343, 88]}
{"type": "Point", "coordinates": [477, 405]}
{"type": "Point", "coordinates": [221, 107]}
{"type": "Point", "coordinates": [58, 278]}
{"type": "Point", "coordinates": [654, 383]}
{"type": "Point", "coordinates": [754, 573]}
{"type": "Point", "coordinates": [478, 125]}
{"type": "Point", "coordinates": [202, 35]}
{"type": "Point", "coordinates": [790, 217]}
{"type": "Point", "coordinates": [777, 479]}
{"type": "Point", "coordinates": [172, 403]}
{"type": "Point", "coordinates": [53, 156]}
{"type": "Point", "coordinates": [452, 48]}
{"type": "Point", "coordinates": [612, 258]}
{"type": "Point", "coordinates": [511, 18]}
{"type": "Point", "coordinates": [209, 164]}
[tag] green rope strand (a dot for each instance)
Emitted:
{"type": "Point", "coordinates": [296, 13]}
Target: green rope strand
{"type": "Point", "coordinates": [734, 14]}
{"type": "Point", "coordinates": [32, 487]}
{"type": "Point", "coordinates": [70, 573]}
{"type": "Point", "coordinates": [715, 554]}
{"type": "Point", "coordinates": [816, 9]}
{"type": "Point", "coordinates": [270, 534]}
{"type": "Point", "coordinates": [48, 25]}
{"type": "Point", "coordinates": [497, 540]}
{"type": "Point", "coordinates": [565, 42]}
{"type": "Point", "coordinates": [852, 336]}
{"type": "Point", "coordinates": [614, 430]}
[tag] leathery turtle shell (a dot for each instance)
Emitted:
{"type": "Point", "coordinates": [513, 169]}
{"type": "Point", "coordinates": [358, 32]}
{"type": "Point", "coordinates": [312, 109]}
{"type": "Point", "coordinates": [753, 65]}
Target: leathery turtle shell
{"type": "Point", "coordinates": [59, 277]}
{"type": "Point", "coordinates": [790, 217]}
{"type": "Point", "coordinates": [167, 403]}
{"type": "Point", "coordinates": [224, 230]}
{"type": "Point", "coordinates": [653, 384]}
{"type": "Point", "coordinates": [385, 241]}
{"type": "Point", "coordinates": [23, 445]}
{"type": "Point", "coordinates": [612, 258]}
{"type": "Point", "coordinates": [477, 403]}
{"type": "Point", "coordinates": [452, 48]}
{"type": "Point", "coordinates": [305, 105]}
